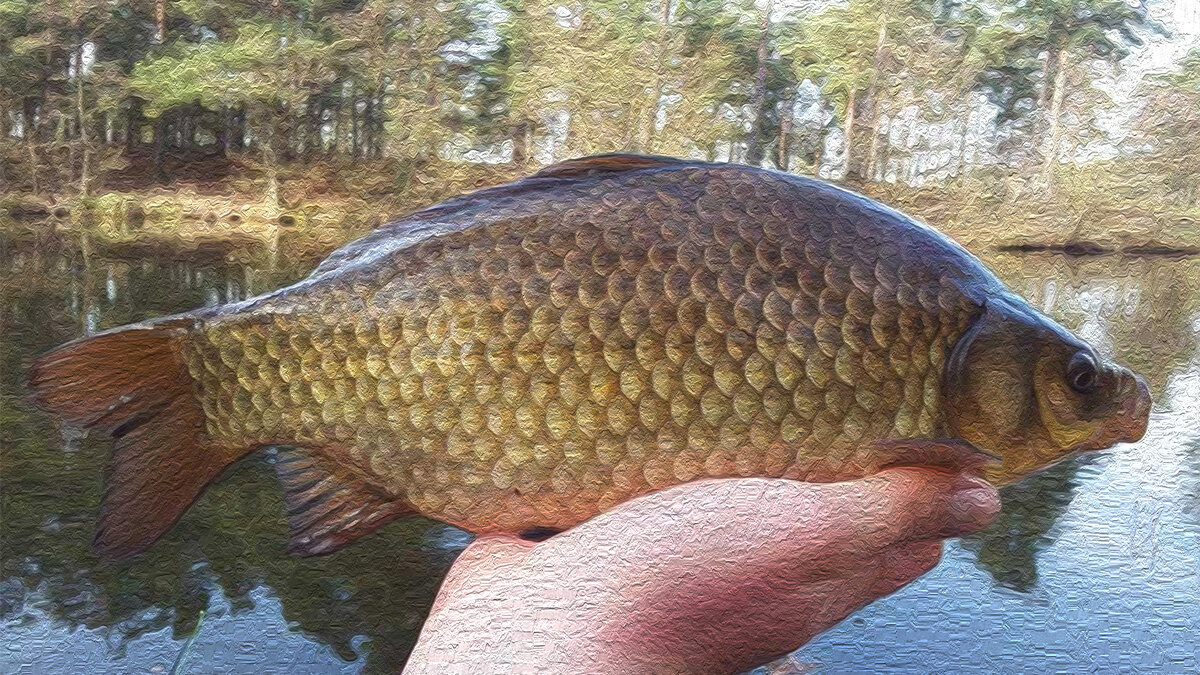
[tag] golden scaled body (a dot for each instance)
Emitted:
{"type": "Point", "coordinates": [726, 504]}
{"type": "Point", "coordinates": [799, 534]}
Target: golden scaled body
{"type": "Point", "coordinates": [527, 356]}
{"type": "Point", "coordinates": [555, 356]}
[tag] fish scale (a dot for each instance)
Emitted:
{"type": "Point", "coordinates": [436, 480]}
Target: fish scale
{"type": "Point", "coordinates": [532, 354]}
{"type": "Point", "coordinates": [534, 369]}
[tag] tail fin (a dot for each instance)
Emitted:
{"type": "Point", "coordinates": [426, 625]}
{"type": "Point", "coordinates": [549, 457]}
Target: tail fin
{"type": "Point", "coordinates": [132, 383]}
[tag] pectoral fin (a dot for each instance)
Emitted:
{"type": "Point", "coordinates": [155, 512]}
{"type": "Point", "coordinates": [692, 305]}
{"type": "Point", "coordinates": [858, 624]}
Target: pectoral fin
{"type": "Point", "coordinates": [330, 506]}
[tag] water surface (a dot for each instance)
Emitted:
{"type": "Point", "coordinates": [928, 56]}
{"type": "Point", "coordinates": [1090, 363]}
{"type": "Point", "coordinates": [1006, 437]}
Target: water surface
{"type": "Point", "coordinates": [1093, 565]}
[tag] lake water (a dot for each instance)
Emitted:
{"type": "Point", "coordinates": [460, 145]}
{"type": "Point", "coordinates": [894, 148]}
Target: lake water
{"type": "Point", "coordinates": [1093, 565]}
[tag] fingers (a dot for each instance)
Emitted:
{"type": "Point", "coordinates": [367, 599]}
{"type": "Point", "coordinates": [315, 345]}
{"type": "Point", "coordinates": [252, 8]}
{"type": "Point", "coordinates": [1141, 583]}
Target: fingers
{"type": "Point", "coordinates": [813, 530]}
{"type": "Point", "coordinates": [721, 574]}
{"type": "Point", "coordinates": [734, 523]}
{"type": "Point", "coordinates": [910, 503]}
{"type": "Point", "coordinates": [492, 556]}
{"type": "Point", "coordinates": [973, 505]}
{"type": "Point", "coordinates": [743, 554]}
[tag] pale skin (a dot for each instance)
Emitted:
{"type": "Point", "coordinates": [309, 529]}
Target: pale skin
{"type": "Point", "coordinates": [715, 576]}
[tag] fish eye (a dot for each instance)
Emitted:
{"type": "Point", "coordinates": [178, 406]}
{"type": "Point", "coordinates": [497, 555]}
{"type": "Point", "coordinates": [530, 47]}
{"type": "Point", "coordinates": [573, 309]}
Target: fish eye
{"type": "Point", "coordinates": [1081, 373]}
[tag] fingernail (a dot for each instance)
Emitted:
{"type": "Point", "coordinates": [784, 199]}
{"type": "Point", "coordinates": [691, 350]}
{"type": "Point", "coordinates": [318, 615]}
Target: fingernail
{"type": "Point", "coordinates": [972, 506]}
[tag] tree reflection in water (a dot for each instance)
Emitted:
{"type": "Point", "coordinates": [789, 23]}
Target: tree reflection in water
{"type": "Point", "coordinates": [234, 536]}
{"type": "Point", "coordinates": [1008, 549]}
{"type": "Point", "coordinates": [232, 541]}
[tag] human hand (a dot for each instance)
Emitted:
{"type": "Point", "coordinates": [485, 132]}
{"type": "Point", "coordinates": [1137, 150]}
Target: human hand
{"type": "Point", "coordinates": [715, 576]}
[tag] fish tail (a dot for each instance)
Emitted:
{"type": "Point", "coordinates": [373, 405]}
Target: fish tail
{"type": "Point", "coordinates": [132, 384]}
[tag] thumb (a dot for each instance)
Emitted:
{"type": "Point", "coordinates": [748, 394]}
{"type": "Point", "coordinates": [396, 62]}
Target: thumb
{"type": "Point", "coordinates": [729, 572]}
{"type": "Point", "coordinates": [913, 504]}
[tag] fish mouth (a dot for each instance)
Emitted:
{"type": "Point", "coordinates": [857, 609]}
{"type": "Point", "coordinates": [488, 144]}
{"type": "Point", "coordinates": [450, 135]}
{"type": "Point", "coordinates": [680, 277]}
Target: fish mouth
{"type": "Point", "coordinates": [1133, 416]}
{"type": "Point", "coordinates": [1130, 417]}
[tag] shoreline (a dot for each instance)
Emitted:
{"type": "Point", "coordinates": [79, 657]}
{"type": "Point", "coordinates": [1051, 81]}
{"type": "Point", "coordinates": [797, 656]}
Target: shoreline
{"type": "Point", "coordinates": [1001, 213]}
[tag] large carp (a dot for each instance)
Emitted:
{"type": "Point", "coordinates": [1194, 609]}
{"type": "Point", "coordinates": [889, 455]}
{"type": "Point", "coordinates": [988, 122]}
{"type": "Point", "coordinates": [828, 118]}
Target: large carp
{"type": "Point", "coordinates": [526, 356]}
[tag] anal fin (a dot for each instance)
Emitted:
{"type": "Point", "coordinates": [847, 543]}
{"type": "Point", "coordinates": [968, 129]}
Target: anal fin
{"type": "Point", "coordinates": [330, 506]}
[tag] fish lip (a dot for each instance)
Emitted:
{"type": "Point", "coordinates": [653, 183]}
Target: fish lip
{"type": "Point", "coordinates": [1134, 417]}
{"type": "Point", "coordinates": [1131, 418]}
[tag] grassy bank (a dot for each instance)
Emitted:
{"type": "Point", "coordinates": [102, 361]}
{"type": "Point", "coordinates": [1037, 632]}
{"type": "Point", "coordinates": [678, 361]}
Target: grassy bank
{"type": "Point", "coordinates": [1101, 207]}
{"type": "Point", "coordinates": [217, 205]}
{"type": "Point", "coordinates": [133, 223]}
{"type": "Point", "coordinates": [1119, 205]}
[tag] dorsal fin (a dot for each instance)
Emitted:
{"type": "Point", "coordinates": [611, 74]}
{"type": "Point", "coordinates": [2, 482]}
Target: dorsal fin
{"type": "Point", "coordinates": [605, 164]}
{"type": "Point", "coordinates": [329, 505]}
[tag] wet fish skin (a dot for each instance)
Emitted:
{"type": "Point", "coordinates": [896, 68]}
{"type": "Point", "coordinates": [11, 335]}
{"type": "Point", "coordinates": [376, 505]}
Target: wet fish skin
{"type": "Point", "coordinates": [565, 351]}
{"type": "Point", "coordinates": [528, 356]}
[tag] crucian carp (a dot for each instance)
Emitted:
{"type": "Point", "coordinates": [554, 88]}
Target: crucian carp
{"type": "Point", "coordinates": [526, 356]}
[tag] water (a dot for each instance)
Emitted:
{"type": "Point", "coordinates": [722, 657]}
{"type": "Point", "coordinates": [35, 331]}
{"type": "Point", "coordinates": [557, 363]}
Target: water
{"type": "Point", "coordinates": [1093, 565]}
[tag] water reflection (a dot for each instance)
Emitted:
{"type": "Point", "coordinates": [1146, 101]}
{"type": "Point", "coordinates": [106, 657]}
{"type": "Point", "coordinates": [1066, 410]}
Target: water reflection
{"type": "Point", "coordinates": [1136, 310]}
{"type": "Point", "coordinates": [1008, 549]}
{"type": "Point", "coordinates": [1093, 565]}
{"type": "Point", "coordinates": [226, 555]}
{"type": "Point", "coordinates": [230, 544]}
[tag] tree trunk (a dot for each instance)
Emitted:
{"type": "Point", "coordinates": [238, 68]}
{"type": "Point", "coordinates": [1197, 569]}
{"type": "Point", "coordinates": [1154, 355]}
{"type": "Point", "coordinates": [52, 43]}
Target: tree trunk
{"type": "Point", "coordinates": [66, 134]}
{"type": "Point", "coordinates": [186, 129]}
{"type": "Point", "coordinates": [785, 128]}
{"type": "Point", "coordinates": [873, 98]}
{"type": "Point", "coordinates": [312, 144]}
{"type": "Point", "coordinates": [223, 124]}
{"type": "Point", "coordinates": [528, 139]}
{"type": "Point", "coordinates": [6, 133]}
{"type": "Point", "coordinates": [270, 161]}
{"type": "Point", "coordinates": [239, 130]}
{"type": "Point", "coordinates": [354, 131]}
{"type": "Point", "coordinates": [517, 134]}
{"type": "Point", "coordinates": [160, 142]}
{"type": "Point", "coordinates": [160, 15]}
{"type": "Point", "coordinates": [754, 153]}
{"type": "Point", "coordinates": [29, 132]}
{"type": "Point", "coordinates": [133, 125]}
{"type": "Point", "coordinates": [368, 128]}
{"type": "Point", "coordinates": [1047, 71]}
{"type": "Point", "coordinates": [378, 135]}
{"type": "Point", "coordinates": [962, 148]}
{"type": "Point", "coordinates": [335, 147]}
{"type": "Point", "coordinates": [649, 133]}
{"type": "Point", "coordinates": [850, 130]}
{"type": "Point", "coordinates": [1056, 104]}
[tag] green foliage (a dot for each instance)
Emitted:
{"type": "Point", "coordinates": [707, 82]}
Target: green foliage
{"type": "Point", "coordinates": [270, 85]}
{"type": "Point", "coordinates": [246, 70]}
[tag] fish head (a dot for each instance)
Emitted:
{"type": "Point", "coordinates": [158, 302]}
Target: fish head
{"type": "Point", "coordinates": [1026, 390]}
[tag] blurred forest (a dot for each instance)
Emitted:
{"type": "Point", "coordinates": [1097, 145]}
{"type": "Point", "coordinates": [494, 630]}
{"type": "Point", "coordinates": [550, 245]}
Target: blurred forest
{"type": "Point", "coordinates": [298, 124]}
{"type": "Point", "coordinates": [382, 106]}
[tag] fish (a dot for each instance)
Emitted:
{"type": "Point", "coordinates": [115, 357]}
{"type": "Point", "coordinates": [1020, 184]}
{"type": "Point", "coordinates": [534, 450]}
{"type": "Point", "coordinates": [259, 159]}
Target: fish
{"type": "Point", "coordinates": [526, 356]}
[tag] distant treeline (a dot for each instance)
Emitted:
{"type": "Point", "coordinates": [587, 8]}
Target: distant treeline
{"type": "Point", "coordinates": [97, 91]}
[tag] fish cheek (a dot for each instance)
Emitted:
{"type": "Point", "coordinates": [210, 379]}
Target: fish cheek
{"type": "Point", "coordinates": [1063, 413]}
{"type": "Point", "coordinates": [993, 408]}
{"type": "Point", "coordinates": [989, 396]}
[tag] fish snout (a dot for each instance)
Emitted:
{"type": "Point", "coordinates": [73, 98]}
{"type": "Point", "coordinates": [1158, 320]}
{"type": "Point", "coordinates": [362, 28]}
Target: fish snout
{"type": "Point", "coordinates": [1133, 408]}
